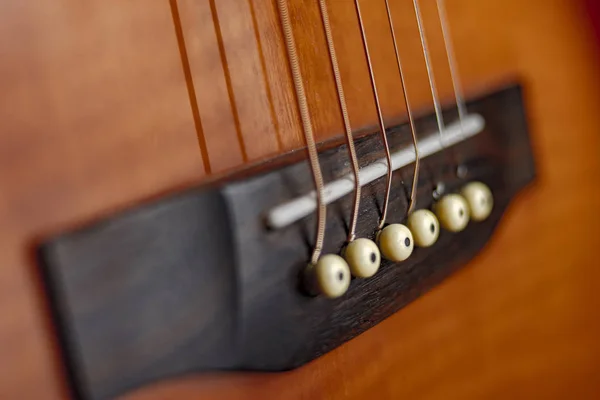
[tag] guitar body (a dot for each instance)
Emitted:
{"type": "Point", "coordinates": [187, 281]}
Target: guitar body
{"type": "Point", "coordinates": [106, 104]}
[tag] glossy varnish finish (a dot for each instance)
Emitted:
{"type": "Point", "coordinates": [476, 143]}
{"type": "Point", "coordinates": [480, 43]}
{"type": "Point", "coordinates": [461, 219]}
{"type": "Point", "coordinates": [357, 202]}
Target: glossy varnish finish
{"type": "Point", "coordinates": [97, 112]}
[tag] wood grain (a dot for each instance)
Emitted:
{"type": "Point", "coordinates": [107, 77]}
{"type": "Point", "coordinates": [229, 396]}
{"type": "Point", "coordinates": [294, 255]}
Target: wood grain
{"type": "Point", "coordinates": [202, 57]}
{"type": "Point", "coordinates": [96, 115]}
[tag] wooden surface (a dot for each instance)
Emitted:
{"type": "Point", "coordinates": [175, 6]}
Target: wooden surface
{"type": "Point", "coordinates": [107, 102]}
{"type": "Point", "coordinates": [221, 291]}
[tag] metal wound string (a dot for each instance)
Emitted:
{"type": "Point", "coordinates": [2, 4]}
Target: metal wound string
{"type": "Point", "coordinates": [307, 128]}
{"type": "Point", "coordinates": [344, 110]}
{"type": "Point", "coordinates": [413, 130]}
{"type": "Point", "coordinates": [386, 145]}
{"type": "Point", "coordinates": [428, 64]}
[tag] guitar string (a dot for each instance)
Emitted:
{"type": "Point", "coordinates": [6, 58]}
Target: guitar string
{"type": "Point", "coordinates": [452, 63]}
{"type": "Point", "coordinates": [309, 138]}
{"type": "Point", "coordinates": [432, 83]}
{"type": "Point", "coordinates": [413, 130]}
{"type": "Point", "coordinates": [344, 110]}
{"type": "Point", "coordinates": [379, 116]}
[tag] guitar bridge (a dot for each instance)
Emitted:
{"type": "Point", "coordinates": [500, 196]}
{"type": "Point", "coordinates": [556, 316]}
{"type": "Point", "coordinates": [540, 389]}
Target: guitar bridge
{"type": "Point", "coordinates": [210, 279]}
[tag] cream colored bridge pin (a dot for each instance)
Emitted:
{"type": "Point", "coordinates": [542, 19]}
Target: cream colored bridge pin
{"type": "Point", "coordinates": [330, 276]}
{"type": "Point", "coordinates": [480, 199]}
{"type": "Point", "coordinates": [425, 228]}
{"type": "Point", "coordinates": [453, 212]}
{"type": "Point", "coordinates": [363, 258]}
{"type": "Point", "coordinates": [396, 242]}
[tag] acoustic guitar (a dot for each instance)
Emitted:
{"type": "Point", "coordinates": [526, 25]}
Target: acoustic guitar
{"type": "Point", "coordinates": [294, 199]}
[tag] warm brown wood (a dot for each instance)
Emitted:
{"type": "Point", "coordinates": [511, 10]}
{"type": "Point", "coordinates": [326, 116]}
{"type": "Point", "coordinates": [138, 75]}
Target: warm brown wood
{"type": "Point", "coordinates": [96, 114]}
